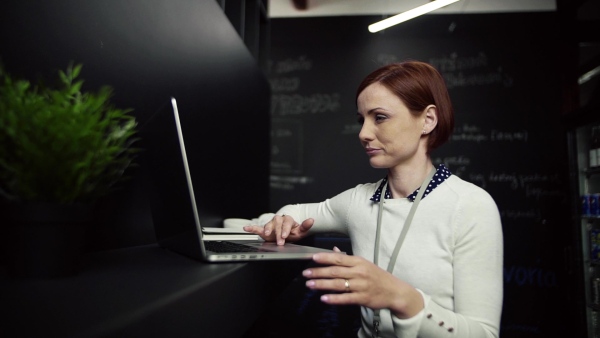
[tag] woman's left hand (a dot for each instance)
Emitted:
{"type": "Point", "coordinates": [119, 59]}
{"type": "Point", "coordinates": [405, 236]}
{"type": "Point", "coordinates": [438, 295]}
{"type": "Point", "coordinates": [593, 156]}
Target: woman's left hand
{"type": "Point", "coordinates": [358, 281]}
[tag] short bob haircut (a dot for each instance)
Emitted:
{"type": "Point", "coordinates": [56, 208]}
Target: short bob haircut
{"type": "Point", "coordinates": [418, 85]}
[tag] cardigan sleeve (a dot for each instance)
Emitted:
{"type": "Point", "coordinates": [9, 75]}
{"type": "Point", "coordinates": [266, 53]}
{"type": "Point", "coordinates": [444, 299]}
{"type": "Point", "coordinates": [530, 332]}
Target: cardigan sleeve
{"type": "Point", "coordinates": [330, 215]}
{"type": "Point", "coordinates": [478, 279]}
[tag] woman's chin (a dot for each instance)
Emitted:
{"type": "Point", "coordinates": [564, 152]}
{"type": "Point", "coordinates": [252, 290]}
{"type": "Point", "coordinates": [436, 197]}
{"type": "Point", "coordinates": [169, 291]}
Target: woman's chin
{"type": "Point", "coordinates": [377, 164]}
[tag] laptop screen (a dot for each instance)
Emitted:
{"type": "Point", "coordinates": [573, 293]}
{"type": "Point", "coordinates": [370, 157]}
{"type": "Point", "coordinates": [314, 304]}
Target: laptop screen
{"type": "Point", "coordinates": [174, 212]}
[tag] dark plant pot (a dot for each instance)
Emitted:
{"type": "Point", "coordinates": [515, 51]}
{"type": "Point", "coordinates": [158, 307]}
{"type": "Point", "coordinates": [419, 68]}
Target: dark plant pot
{"type": "Point", "coordinates": [45, 240]}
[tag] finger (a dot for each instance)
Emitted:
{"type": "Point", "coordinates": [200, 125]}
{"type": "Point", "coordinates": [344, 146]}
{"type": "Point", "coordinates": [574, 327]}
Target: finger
{"type": "Point", "coordinates": [257, 230]}
{"type": "Point", "coordinates": [335, 284]}
{"type": "Point", "coordinates": [342, 295]}
{"type": "Point", "coordinates": [341, 298]}
{"type": "Point", "coordinates": [253, 229]}
{"type": "Point", "coordinates": [329, 272]}
{"type": "Point", "coordinates": [272, 225]}
{"type": "Point", "coordinates": [335, 249]}
{"type": "Point", "coordinates": [287, 225]}
{"type": "Point", "coordinates": [299, 230]}
{"type": "Point", "coordinates": [336, 258]}
{"type": "Point", "coordinates": [307, 224]}
{"type": "Point", "coordinates": [280, 228]}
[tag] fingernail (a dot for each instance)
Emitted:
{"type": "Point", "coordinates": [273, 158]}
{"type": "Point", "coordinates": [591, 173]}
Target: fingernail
{"type": "Point", "coordinates": [325, 298]}
{"type": "Point", "coordinates": [310, 283]}
{"type": "Point", "coordinates": [267, 232]}
{"type": "Point", "coordinates": [306, 273]}
{"type": "Point", "coordinates": [284, 234]}
{"type": "Point", "coordinates": [280, 242]}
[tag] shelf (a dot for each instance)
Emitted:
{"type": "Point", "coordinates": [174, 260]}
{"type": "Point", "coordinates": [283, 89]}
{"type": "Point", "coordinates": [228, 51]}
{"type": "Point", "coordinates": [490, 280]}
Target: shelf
{"type": "Point", "coordinates": [595, 307]}
{"type": "Point", "coordinates": [591, 171]}
{"type": "Point", "coordinates": [143, 291]}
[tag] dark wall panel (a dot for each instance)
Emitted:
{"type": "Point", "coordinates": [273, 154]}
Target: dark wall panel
{"type": "Point", "coordinates": [148, 51]}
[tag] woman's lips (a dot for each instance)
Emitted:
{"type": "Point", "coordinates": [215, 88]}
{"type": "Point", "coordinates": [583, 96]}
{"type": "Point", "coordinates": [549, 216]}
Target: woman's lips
{"type": "Point", "coordinates": [371, 151]}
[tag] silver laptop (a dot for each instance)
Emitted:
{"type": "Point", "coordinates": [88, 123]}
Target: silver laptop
{"type": "Point", "coordinates": [176, 216]}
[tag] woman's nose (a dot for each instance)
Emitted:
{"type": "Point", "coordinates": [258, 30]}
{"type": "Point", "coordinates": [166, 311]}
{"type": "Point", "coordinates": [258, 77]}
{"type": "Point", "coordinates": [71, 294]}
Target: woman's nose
{"type": "Point", "coordinates": [365, 133]}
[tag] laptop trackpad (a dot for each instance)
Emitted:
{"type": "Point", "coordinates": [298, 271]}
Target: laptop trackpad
{"type": "Point", "coordinates": [288, 247]}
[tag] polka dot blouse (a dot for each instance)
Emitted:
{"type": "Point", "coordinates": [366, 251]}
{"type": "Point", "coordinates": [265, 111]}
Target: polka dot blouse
{"type": "Point", "coordinates": [441, 174]}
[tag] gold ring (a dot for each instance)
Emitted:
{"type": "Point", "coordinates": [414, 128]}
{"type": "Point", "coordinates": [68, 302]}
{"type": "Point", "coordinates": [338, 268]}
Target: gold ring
{"type": "Point", "coordinates": [347, 285]}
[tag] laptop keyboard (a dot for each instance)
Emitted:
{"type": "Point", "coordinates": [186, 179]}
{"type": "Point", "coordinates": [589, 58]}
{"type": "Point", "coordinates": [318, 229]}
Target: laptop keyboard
{"type": "Point", "coordinates": [218, 246]}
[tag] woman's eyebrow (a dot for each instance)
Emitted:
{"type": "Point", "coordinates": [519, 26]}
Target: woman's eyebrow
{"type": "Point", "coordinates": [371, 111]}
{"type": "Point", "coordinates": [375, 110]}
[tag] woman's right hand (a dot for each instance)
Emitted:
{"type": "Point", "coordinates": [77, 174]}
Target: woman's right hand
{"type": "Point", "coordinates": [281, 228]}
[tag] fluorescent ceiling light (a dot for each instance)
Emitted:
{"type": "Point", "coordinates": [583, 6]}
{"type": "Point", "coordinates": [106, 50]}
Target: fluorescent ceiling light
{"type": "Point", "coordinates": [589, 75]}
{"type": "Point", "coordinates": [413, 13]}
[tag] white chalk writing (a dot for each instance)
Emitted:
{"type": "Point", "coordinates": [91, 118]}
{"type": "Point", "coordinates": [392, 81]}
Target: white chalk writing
{"type": "Point", "coordinates": [505, 178]}
{"type": "Point", "coordinates": [290, 65]}
{"type": "Point", "coordinates": [386, 59]}
{"type": "Point", "coordinates": [469, 137]}
{"type": "Point", "coordinates": [519, 214]}
{"type": "Point", "coordinates": [288, 182]}
{"type": "Point", "coordinates": [353, 128]}
{"type": "Point", "coordinates": [462, 71]}
{"type": "Point", "coordinates": [297, 104]}
{"type": "Point", "coordinates": [473, 133]}
{"type": "Point", "coordinates": [531, 276]}
{"type": "Point", "coordinates": [284, 84]}
{"type": "Point", "coordinates": [454, 63]}
{"type": "Point", "coordinates": [497, 135]}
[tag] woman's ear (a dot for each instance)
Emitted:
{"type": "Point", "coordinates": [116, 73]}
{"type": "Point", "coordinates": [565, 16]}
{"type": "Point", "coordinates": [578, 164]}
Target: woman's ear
{"type": "Point", "coordinates": [431, 119]}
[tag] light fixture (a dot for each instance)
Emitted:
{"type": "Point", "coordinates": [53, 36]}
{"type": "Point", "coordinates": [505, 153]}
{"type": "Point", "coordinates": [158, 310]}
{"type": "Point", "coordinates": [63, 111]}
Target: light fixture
{"type": "Point", "coordinates": [589, 75]}
{"type": "Point", "coordinates": [405, 16]}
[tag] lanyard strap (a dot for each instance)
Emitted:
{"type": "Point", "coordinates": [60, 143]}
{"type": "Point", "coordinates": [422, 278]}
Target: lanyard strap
{"type": "Point", "coordinates": [407, 222]}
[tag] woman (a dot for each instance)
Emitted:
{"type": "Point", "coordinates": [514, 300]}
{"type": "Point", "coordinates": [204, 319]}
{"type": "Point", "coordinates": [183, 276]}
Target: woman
{"type": "Point", "coordinates": [442, 276]}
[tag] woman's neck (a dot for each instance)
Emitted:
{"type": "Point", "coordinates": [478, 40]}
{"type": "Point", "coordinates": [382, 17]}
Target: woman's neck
{"type": "Point", "coordinates": [404, 180]}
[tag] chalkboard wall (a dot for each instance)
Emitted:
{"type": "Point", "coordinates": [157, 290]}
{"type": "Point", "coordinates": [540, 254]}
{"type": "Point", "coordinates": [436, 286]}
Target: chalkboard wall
{"type": "Point", "coordinates": [501, 70]}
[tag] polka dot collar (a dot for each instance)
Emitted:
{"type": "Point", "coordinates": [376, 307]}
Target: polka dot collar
{"type": "Point", "coordinates": [441, 174]}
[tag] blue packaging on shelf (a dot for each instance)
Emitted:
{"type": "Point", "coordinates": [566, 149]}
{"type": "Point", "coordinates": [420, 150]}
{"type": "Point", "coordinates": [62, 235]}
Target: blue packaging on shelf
{"type": "Point", "coordinates": [594, 205]}
{"type": "Point", "coordinates": [595, 244]}
{"type": "Point", "coordinates": [585, 205]}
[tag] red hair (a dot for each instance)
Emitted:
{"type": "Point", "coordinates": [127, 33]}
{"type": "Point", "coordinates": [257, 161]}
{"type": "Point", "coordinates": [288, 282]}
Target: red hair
{"type": "Point", "coordinates": [417, 84]}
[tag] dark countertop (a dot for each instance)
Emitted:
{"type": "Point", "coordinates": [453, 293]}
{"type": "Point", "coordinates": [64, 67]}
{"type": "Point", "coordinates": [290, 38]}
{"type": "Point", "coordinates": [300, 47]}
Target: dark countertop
{"type": "Point", "coordinates": [144, 291]}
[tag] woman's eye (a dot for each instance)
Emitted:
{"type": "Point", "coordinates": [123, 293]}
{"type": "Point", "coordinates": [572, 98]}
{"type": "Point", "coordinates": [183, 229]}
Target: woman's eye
{"type": "Point", "coordinates": [380, 118]}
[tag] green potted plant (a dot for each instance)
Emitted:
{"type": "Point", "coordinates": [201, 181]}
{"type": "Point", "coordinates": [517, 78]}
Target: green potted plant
{"type": "Point", "coordinates": [60, 150]}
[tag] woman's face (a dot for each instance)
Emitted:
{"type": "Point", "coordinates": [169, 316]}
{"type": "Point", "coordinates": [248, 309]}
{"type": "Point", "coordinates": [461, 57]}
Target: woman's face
{"type": "Point", "coordinates": [390, 134]}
